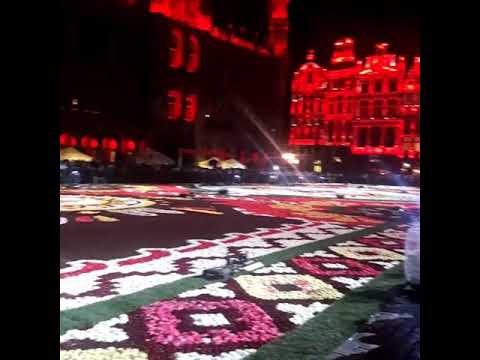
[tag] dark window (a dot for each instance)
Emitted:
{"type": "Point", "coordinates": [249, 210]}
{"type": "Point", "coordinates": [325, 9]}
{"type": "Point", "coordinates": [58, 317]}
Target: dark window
{"type": "Point", "coordinates": [392, 108]}
{"type": "Point", "coordinates": [339, 105]}
{"type": "Point", "coordinates": [330, 131]}
{"type": "Point", "coordinates": [364, 87]}
{"type": "Point", "coordinates": [332, 108]}
{"type": "Point", "coordinates": [375, 135]}
{"type": "Point", "coordinates": [364, 113]}
{"type": "Point", "coordinates": [174, 101]}
{"type": "Point", "coordinates": [349, 106]}
{"type": "Point", "coordinates": [362, 137]}
{"type": "Point", "coordinates": [390, 137]}
{"type": "Point", "coordinates": [193, 54]}
{"type": "Point", "coordinates": [348, 129]}
{"type": "Point", "coordinates": [191, 105]}
{"type": "Point", "coordinates": [176, 48]}
{"type": "Point", "coordinates": [339, 84]}
{"type": "Point", "coordinates": [393, 85]}
{"type": "Point", "coordinates": [378, 86]}
{"type": "Point", "coordinates": [310, 78]}
{"type": "Point", "coordinates": [377, 108]}
{"type": "Point", "coordinates": [407, 127]}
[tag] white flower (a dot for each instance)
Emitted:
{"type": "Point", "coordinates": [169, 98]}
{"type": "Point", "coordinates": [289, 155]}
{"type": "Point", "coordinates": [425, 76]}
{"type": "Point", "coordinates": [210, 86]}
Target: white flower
{"type": "Point", "coordinates": [334, 266]}
{"type": "Point", "coordinates": [279, 268]}
{"type": "Point", "coordinates": [350, 243]}
{"type": "Point", "coordinates": [104, 331]}
{"type": "Point", "coordinates": [386, 265]}
{"type": "Point", "coordinates": [209, 319]}
{"type": "Point", "coordinates": [231, 355]}
{"type": "Point", "coordinates": [321, 253]}
{"type": "Point", "coordinates": [215, 289]}
{"type": "Point", "coordinates": [103, 354]}
{"type": "Point", "coordinates": [302, 313]}
{"type": "Point", "coordinates": [352, 283]}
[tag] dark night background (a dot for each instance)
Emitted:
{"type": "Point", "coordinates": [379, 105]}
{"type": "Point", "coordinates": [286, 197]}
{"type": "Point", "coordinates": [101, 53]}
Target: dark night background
{"type": "Point", "coordinates": [316, 24]}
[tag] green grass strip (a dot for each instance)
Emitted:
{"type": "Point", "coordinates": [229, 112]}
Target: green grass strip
{"type": "Point", "coordinates": [318, 337]}
{"type": "Point", "coordinates": [89, 315]}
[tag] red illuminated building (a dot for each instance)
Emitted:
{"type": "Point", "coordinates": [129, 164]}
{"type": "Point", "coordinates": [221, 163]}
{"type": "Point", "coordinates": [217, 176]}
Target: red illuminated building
{"type": "Point", "coordinates": [191, 76]}
{"type": "Point", "coordinates": [369, 107]}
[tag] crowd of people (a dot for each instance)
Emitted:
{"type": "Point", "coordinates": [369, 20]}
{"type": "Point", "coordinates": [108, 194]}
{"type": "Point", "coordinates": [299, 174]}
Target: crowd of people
{"type": "Point", "coordinates": [81, 172]}
{"type": "Point", "coordinates": [96, 172]}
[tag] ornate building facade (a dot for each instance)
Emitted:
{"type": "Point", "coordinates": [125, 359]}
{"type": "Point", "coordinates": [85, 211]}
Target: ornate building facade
{"type": "Point", "coordinates": [360, 107]}
{"type": "Point", "coordinates": [204, 78]}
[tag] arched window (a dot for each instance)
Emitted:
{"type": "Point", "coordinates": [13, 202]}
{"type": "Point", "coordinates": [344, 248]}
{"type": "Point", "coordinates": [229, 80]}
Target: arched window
{"type": "Point", "coordinates": [193, 54]}
{"type": "Point", "coordinates": [191, 105]}
{"type": "Point", "coordinates": [176, 49]}
{"type": "Point", "coordinates": [174, 104]}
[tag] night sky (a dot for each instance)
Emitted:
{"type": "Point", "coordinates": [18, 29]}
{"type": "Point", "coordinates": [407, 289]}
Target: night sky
{"type": "Point", "coordinates": [317, 24]}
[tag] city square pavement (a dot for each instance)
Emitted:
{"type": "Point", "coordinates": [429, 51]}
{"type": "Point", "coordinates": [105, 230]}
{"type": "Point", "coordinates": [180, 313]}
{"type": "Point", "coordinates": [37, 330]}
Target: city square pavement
{"type": "Point", "coordinates": [132, 257]}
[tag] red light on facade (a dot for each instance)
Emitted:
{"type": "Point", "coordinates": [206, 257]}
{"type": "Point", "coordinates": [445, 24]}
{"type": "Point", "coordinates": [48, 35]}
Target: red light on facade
{"type": "Point", "coordinates": [174, 109]}
{"type": "Point", "coordinates": [311, 55]}
{"type": "Point", "coordinates": [191, 106]}
{"type": "Point", "coordinates": [176, 49]}
{"type": "Point", "coordinates": [381, 48]}
{"type": "Point", "coordinates": [193, 60]}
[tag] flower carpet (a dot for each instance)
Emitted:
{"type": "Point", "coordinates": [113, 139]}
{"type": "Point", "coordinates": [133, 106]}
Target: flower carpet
{"type": "Point", "coordinates": [311, 253]}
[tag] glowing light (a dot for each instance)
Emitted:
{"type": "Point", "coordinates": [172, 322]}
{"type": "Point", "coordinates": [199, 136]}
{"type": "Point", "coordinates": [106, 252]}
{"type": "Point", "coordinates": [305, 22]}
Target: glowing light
{"type": "Point", "coordinates": [275, 167]}
{"type": "Point", "coordinates": [406, 165]}
{"type": "Point", "coordinates": [93, 143]}
{"type": "Point", "coordinates": [64, 139]}
{"type": "Point", "coordinates": [84, 141]}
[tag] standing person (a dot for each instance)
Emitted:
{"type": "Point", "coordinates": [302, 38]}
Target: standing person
{"type": "Point", "coordinates": [101, 173]}
{"type": "Point", "coordinates": [109, 172]}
